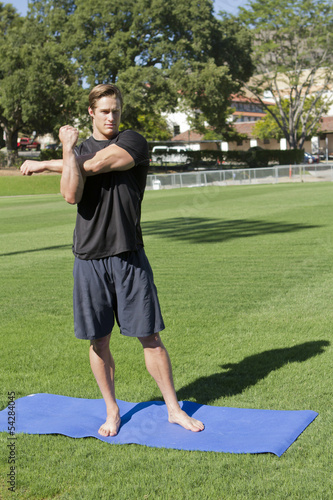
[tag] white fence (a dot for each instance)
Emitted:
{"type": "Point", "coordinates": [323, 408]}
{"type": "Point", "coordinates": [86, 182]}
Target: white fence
{"type": "Point", "coordinates": [270, 175]}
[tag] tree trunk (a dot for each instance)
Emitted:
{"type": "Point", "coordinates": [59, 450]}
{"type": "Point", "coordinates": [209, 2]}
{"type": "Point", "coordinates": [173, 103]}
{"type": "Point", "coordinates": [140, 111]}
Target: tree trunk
{"type": "Point", "coordinates": [11, 145]}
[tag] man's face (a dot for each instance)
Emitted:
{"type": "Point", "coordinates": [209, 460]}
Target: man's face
{"type": "Point", "coordinates": [106, 117]}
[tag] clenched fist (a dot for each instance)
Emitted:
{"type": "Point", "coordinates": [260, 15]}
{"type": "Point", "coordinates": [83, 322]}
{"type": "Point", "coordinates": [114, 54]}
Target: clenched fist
{"type": "Point", "coordinates": [68, 135]}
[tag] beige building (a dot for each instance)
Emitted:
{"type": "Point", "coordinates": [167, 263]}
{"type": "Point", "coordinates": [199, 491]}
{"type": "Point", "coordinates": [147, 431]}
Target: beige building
{"type": "Point", "coordinates": [247, 110]}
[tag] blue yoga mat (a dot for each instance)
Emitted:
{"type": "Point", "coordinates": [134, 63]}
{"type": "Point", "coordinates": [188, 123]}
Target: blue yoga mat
{"type": "Point", "coordinates": [229, 430]}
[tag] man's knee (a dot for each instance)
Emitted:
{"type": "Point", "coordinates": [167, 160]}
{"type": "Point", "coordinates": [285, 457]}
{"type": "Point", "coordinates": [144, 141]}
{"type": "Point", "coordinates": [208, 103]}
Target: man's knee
{"type": "Point", "coordinates": [99, 345]}
{"type": "Point", "coordinates": [152, 341]}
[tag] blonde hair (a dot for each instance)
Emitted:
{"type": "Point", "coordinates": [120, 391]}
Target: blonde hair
{"type": "Point", "coordinates": [103, 90]}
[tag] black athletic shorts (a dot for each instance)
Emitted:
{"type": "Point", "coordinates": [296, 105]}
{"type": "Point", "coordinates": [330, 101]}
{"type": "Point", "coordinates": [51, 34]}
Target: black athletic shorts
{"type": "Point", "coordinates": [120, 287]}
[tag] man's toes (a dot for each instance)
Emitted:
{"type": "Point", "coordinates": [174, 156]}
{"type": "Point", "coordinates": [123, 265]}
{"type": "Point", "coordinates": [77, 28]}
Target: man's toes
{"type": "Point", "coordinates": [199, 425]}
{"type": "Point", "coordinates": [196, 426]}
{"type": "Point", "coordinates": [104, 430]}
{"type": "Point", "coordinates": [110, 427]}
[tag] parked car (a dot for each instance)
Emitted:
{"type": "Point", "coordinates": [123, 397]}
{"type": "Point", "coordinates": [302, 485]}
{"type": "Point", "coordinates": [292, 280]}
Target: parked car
{"type": "Point", "coordinates": [167, 154]}
{"type": "Point", "coordinates": [322, 156]}
{"type": "Point", "coordinates": [27, 143]}
{"type": "Point", "coordinates": [311, 158]}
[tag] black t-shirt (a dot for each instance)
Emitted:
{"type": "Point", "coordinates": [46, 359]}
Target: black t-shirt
{"type": "Point", "coordinates": [109, 213]}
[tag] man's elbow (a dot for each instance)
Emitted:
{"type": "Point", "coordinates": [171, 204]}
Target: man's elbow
{"type": "Point", "coordinates": [93, 166]}
{"type": "Point", "coordinates": [71, 201]}
{"type": "Point", "coordinates": [70, 197]}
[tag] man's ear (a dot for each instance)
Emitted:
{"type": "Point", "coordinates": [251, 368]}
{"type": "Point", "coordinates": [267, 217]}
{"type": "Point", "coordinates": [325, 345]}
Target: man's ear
{"type": "Point", "coordinates": [91, 112]}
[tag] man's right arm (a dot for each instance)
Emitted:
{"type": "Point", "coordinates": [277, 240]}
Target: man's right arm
{"type": "Point", "coordinates": [72, 178]}
{"type": "Point", "coordinates": [30, 167]}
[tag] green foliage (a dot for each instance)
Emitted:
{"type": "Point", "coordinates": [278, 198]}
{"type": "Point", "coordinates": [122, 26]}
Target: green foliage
{"type": "Point", "coordinates": [268, 128]}
{"type": "Point", "coordinates": [288, 157]}
{"type": "Point", "coordinates": [257, 158]}
{"type": "Point", "coordinates": [8, 18]}
{"type": "Point", "coordinates": [39, 86]}
{"type": "Point", "coordinates": [293, 58]}
{"type": "Point", "coordinates": [50, 154]}
{"type": "Point", "coordinates": [218, 76]}
{"type": "Point", "coordinates": [161, 53]}
{"type": "Point", "coordinates": [212, 135]}
{"type": "Point", "coordinates": [154, 127]}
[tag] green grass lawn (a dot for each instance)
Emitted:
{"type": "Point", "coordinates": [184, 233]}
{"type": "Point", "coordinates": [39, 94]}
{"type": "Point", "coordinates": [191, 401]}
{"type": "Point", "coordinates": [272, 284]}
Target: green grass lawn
{"type": "Point", "coordinates": [38, 184]}
{"type": "Point", "coordinates": [245, 281]}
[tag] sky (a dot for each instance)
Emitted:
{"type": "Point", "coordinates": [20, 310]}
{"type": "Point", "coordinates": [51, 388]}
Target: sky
{"type": "Point", "coordinates": [20, 5]}
{"type": "Point", "coordinates": [229, 5]}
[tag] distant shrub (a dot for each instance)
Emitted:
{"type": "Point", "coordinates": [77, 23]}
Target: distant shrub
{"type": "Point", "coordinates": [50, 154]}
{"type": "Point", "coordinates": [253, 158]}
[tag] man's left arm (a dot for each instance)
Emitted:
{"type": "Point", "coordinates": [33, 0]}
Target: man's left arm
{"type": "Point", "coordinates": [111, 158]}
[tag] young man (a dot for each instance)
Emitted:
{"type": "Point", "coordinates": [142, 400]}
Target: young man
{"type": "Point", "coordinates": [106, 177]}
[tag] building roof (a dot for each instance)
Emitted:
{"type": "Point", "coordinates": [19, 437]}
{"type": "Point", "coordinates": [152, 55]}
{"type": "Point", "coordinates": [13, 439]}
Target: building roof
{"type": "Point", "coordinates": [249, 98]}
{"type": "Point", "coordinates": [326, 126]}
{"type": "Point", "coordinates": [188, 136]}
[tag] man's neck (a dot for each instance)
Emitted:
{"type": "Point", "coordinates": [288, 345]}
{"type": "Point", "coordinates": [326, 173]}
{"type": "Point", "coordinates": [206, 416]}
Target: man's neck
{"type": "Point", "coordinates": [101, 137]}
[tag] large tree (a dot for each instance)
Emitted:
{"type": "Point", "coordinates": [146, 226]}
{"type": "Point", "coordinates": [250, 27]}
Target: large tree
{"type": "Point", "coordinates": [267, 128]}
{"type": "Point", "coordinates": [210, 81]}
{"type": "Point", "coordinates": [39, 86]}
{"type": "Point", "coordinates": [160, 54]}
{"type": "Point", "coordinates": [293, 58]}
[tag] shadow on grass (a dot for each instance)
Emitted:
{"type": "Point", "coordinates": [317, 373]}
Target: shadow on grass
{"type": "Point", "coordinates": [246, 373]}
{"type": "Point", "coordinates": [19, 252]}
{"type": "Point", "coordinates": [200, 230]}
{"type": "Point", "coordinates": [207, 230]}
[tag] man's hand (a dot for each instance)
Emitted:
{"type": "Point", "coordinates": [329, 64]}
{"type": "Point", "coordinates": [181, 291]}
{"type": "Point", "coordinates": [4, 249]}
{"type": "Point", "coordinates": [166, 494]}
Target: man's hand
{"type": "Point", "coordinates": [68, 135]}
{"type": "Point", "coordinates": [30, 167]}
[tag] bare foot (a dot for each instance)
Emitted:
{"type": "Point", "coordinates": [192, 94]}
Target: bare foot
{"type": "Point", "coordinates": [110, 427]}
{"type": "Point", "coordinates": [181, 418]}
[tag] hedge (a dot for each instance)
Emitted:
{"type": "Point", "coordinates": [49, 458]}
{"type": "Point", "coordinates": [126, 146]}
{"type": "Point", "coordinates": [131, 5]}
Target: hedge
{"type": "Point", "coordinates": [50, 154]}
{"type": "Point", "coordinates": [253, 158]}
